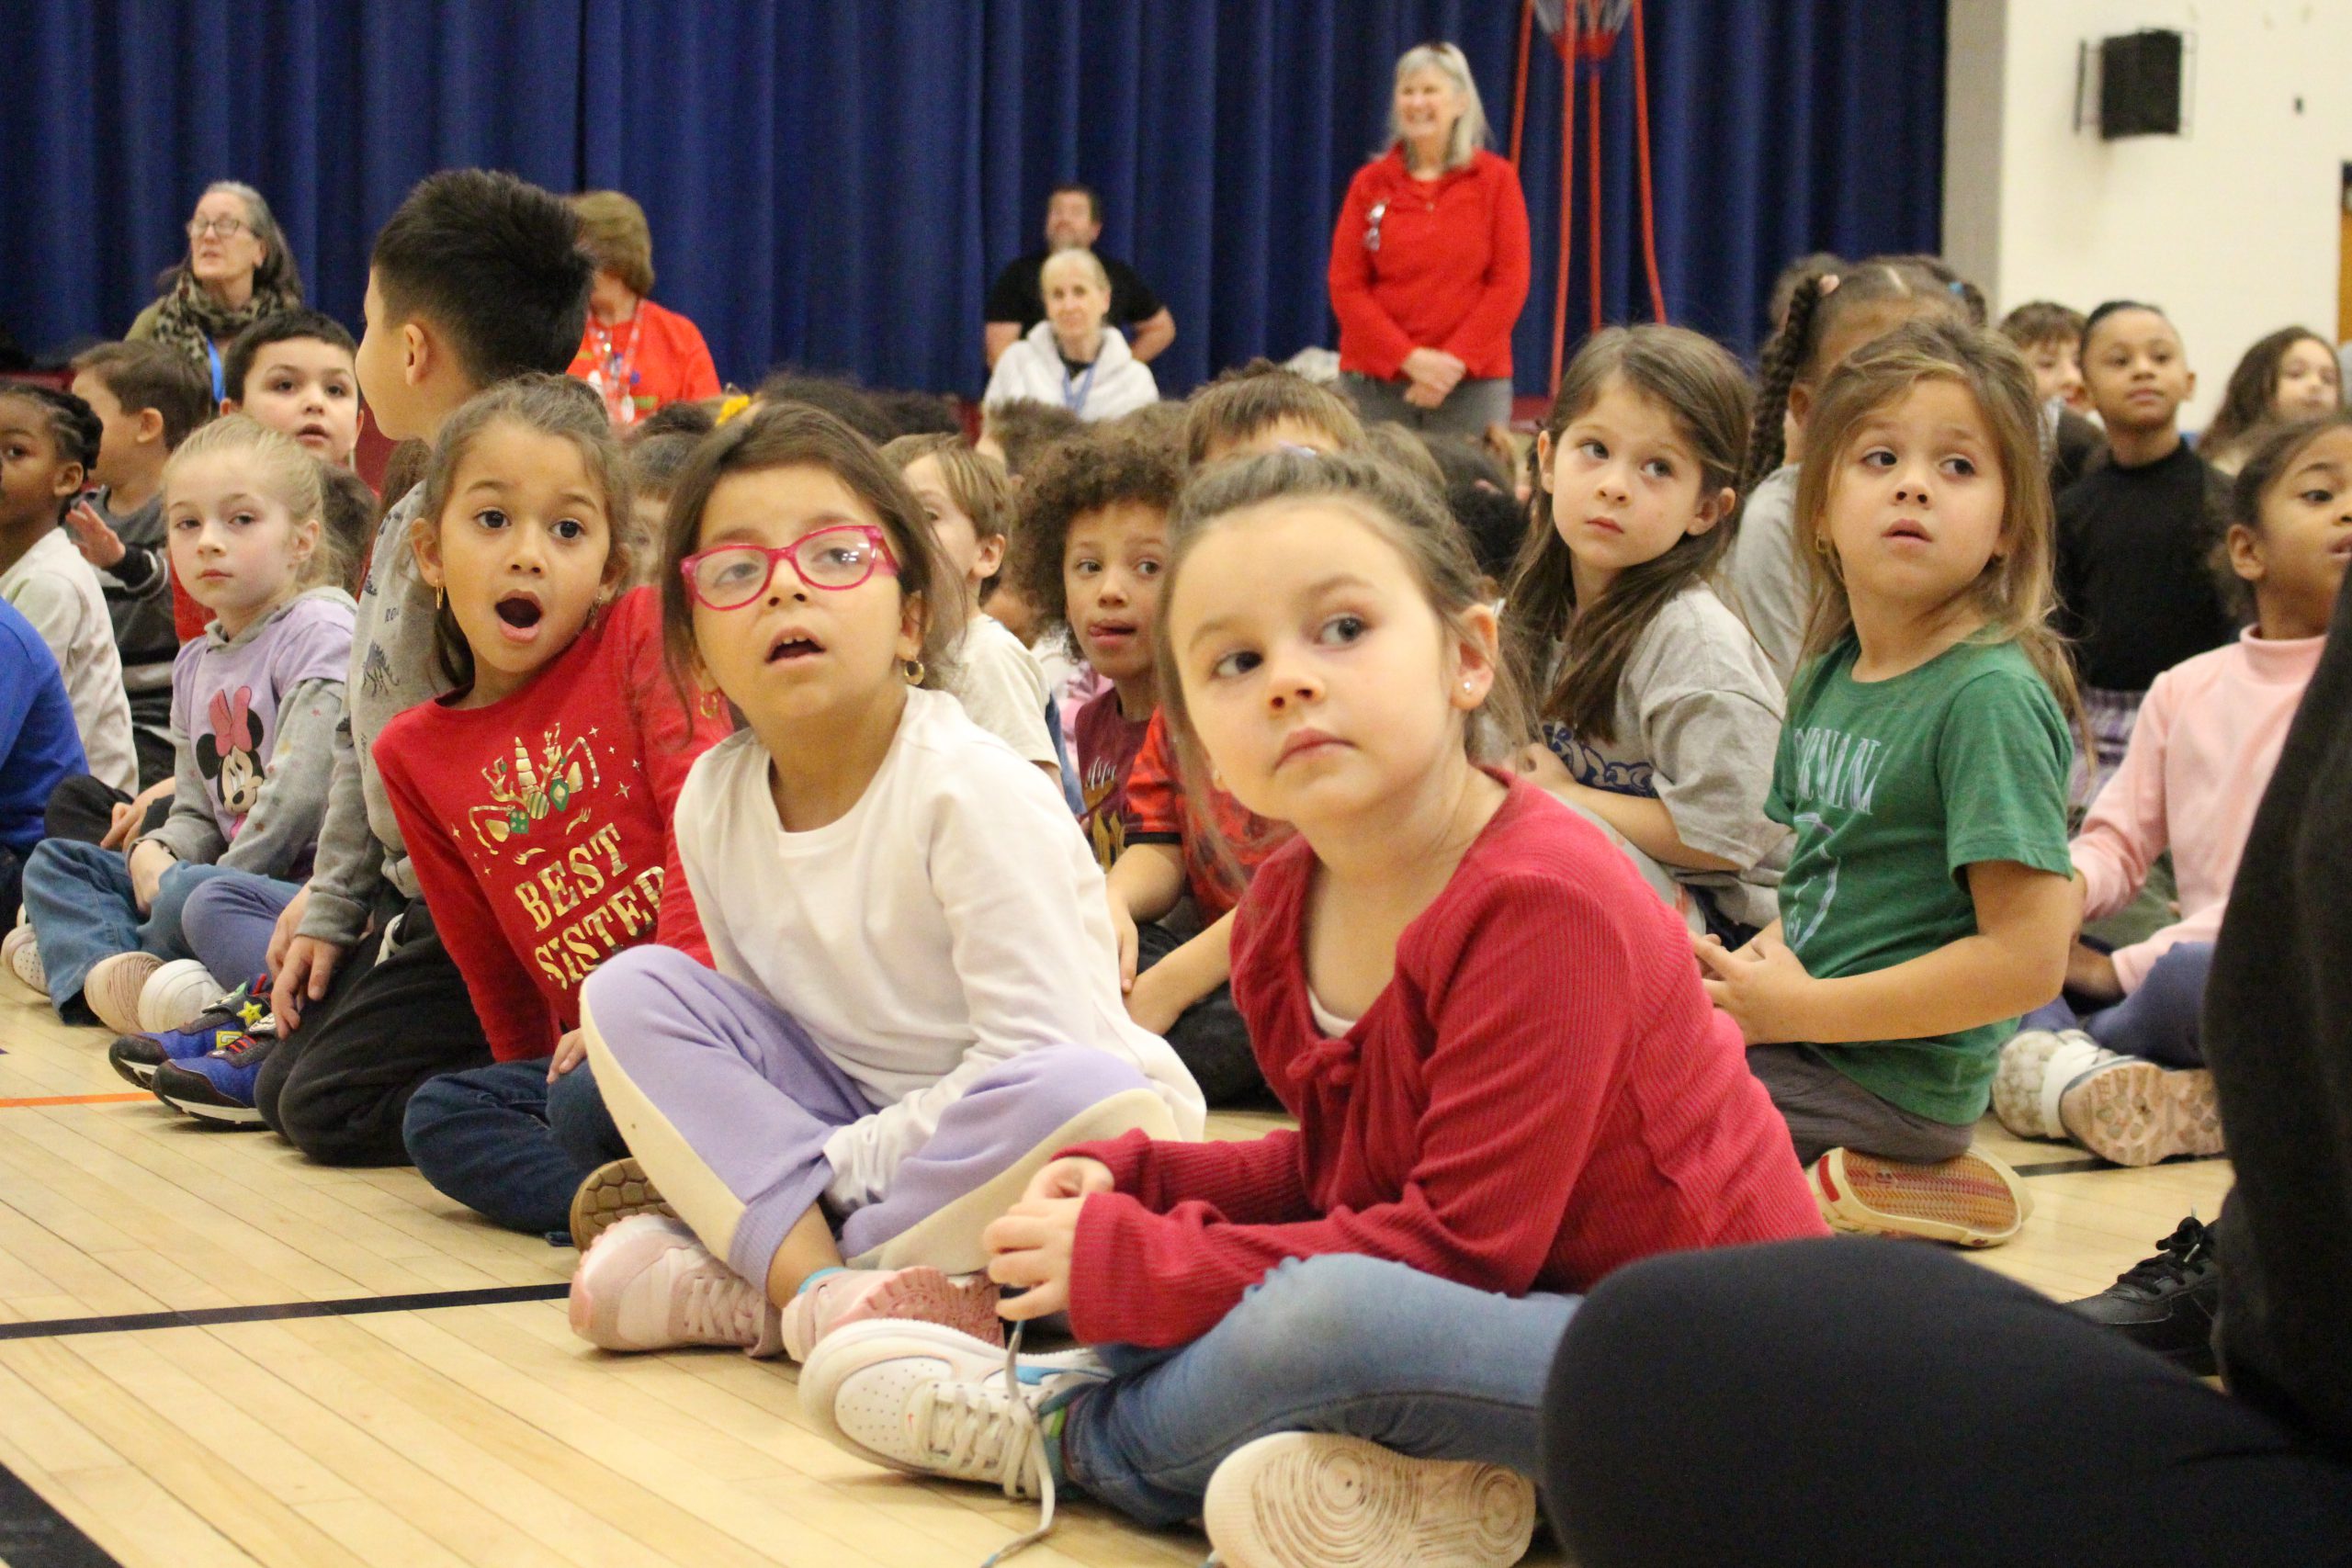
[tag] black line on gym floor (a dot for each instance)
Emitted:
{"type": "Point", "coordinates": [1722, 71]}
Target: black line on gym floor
{"type": "Point", "coordinates": [35, 1535]}
{"type": "Point", "coordinates": [2092, 1162]}
{"type": "Point", "coordinates": [56, 1327]}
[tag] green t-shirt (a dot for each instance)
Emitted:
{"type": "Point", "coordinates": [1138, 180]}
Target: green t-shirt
{"type": "Point", "coordinates": [1893, 787]}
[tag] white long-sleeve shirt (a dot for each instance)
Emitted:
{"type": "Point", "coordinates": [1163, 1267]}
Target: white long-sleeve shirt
{"type": "Point", "coordinates": [950, 920]}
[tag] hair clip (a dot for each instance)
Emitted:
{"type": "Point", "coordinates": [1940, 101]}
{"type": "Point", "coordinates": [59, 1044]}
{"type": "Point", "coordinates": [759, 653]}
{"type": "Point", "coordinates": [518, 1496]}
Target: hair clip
{"type": "Point", "coordinates": [732, 406]}
{"type": "Point", "coordinates": [1294, 446]}
{"type": "Point", "coordinates": [1828, 283]}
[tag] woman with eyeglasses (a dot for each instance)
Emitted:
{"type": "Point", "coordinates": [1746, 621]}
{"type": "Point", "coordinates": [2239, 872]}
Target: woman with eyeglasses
{"type": "Point", "coordinates": [1429, 263]}
{"type": "Point", "coordinates": [237, 270]}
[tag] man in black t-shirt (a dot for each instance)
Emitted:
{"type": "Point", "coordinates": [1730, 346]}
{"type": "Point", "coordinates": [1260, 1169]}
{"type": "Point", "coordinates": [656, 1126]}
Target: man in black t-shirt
{"type": "Point", "coordinates": [1074, 221]}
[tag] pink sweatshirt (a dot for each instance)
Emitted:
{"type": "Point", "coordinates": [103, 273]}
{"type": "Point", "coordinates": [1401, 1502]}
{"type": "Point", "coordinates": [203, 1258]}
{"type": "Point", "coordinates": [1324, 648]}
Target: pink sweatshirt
{"type": "Point", "coordinates": [2208, 736]}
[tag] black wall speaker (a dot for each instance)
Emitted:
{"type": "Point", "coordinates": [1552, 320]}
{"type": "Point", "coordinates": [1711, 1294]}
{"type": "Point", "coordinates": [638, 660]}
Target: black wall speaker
{"type": "Point", "coordinates": [2139, 85]}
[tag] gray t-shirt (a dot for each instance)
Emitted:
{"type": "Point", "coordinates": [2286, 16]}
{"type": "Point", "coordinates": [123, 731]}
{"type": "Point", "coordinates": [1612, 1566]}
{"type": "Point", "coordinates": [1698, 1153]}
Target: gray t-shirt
{"type": "Point", "coordinates": [1698, 722]}
{"type": "Point", "coordinates": [392, 670]}
{"type": "Point", "coordinates": [1767, 577]}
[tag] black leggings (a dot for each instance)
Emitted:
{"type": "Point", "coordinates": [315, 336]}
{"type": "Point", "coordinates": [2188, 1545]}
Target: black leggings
{"type": "Point", "coordinates": [1863, 1401]}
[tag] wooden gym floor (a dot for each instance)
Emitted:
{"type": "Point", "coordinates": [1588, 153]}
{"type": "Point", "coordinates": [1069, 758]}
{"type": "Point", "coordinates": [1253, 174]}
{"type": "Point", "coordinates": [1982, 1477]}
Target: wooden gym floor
{"type": "Point", "coordinates": [212, 1352]}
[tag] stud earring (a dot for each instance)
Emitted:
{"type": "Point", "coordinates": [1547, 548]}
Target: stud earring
{"type": "Point", "coordinates": [914, 672]}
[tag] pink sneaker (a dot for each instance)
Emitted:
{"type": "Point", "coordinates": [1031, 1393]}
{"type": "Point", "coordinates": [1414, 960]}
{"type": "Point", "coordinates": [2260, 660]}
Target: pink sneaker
{"type": "Point", "coordinates": [648, 1285]}
{"type": "Point", "coordinates": [923, 1294]}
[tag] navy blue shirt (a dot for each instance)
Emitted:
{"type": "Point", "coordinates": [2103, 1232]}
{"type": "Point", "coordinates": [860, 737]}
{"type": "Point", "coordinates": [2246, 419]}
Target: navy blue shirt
{"type": "Point", "coordinates": [39, 747]}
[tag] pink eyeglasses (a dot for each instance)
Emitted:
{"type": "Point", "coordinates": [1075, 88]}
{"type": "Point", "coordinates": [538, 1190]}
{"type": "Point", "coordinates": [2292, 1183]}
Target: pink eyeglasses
{"type": "Point", "coordinates": [728, 577]}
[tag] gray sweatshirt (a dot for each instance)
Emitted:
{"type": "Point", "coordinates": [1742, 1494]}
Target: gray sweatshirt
{"type": "Point", "coordinates": [392, 670]}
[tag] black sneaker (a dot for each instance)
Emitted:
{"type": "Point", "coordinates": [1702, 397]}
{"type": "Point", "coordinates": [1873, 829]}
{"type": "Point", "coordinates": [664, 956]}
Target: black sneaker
{"type": "Point", "coordinates": [2167, 1303]}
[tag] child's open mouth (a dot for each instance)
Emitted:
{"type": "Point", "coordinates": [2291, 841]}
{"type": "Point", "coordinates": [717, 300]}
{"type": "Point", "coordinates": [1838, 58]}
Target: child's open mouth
{"type": "Point", "coordinates": [520, 614]}
{"type": "Point", "coordinates": [792, 646]}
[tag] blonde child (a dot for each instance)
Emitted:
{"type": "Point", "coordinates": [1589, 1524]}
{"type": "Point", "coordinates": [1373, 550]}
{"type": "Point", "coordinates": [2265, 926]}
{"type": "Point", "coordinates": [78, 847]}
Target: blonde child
{"type": "Point", "coordinates": [1659, 713]}
{"type": "Point", "coordinates": [558, 755]}
{"type": "Point", "coordinates": [2118, 1063]}
{"type": "Point", "coordinates": [1830, 315]}
{"type": "Point", "coordinates": [972, 514]}
{"type": "Point", "coordinates": [255, 703]}
{"type": "Point", "coordinates": [1928, 900]}
{"type": "Point", "coordinates": [1507, 1078]}
{"type": "Point", "coordinates": [914, 1005]}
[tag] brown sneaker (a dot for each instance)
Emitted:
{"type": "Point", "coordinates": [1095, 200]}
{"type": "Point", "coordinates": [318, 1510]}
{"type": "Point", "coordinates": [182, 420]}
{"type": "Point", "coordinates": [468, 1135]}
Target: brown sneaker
{"type": "Point", "coordinates": [612, 1193]}
{"type": "Point", "coordinates": [1973, 1199]}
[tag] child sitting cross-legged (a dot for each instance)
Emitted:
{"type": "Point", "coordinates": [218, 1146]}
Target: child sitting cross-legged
{"type": "Point", "coordinates": [1332, 1342]}
{"type": "Point", "coordinates": [1928, 901]}
{"type": "Point", "coordinates": [254, 702]}
{"type": "Point", "coordinates": [2117, 1063]}
{"type": "Point", "coordinates": [536, 796]}
{"type": "Point", "coordinates": [914, 1005]}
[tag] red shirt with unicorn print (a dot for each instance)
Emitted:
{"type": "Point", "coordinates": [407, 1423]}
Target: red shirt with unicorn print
{"type": "Point", "coordinates": [539, 826]}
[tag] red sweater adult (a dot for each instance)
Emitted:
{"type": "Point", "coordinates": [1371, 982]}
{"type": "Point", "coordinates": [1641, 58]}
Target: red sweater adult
{"type": "Point", "coordinates": [1449, 271]}
{"type": "Point", "coordinates": [1541, 1094]}
{"type": "Point", "coordinates": [661, 360]}
{"type": "Point", "coordinates": [539, 826]}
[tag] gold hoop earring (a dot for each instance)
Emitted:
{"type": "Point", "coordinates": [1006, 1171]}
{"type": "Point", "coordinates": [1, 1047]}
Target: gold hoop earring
{"type": "Point", "coordinates": [915, 672]}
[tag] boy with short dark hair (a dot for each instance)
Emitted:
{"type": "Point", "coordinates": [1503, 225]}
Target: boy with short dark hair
{"type": "Point", "coordinates": [477, 278]}
{"type": "Point", "coordinates": [2134, 597]}
{"type": "Point", "coordinates": [2051, 337]}
{"type": "Point", "coordinates": [148, 399]}
{"type": "Point", "coordinates": [1261, 406]}
{"type": "Point", "coordinates": [295, 371]}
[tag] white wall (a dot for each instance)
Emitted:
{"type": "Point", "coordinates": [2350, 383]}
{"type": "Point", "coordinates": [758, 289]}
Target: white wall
{"type": "Point", "coordinates": [2232, 227]}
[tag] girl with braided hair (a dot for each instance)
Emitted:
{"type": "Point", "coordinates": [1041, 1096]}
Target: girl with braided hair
{"type": "Point", "coordinates": [1831, 314]}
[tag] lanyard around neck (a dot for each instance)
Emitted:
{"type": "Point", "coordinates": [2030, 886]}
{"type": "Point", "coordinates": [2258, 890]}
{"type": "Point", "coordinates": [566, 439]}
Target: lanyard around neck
{"type": "Point", "coordinates": [1074, 393]}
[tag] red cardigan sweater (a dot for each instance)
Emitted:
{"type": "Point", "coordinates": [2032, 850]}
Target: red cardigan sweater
{"type": "Point", "coordinates": [534, 881]}
{"type": "Point", "coordinates": [1542, 1094]}
{"type": "Point", "coordinates": [1451, 271]}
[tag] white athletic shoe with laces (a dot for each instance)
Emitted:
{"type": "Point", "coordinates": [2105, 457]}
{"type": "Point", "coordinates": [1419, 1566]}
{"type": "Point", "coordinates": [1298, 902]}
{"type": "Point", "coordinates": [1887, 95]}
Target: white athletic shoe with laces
{"type": "Point", "coordinates": [20, 955]}
{"type": "Point", "coordinates": [648, 1285]}
{"type": "Point", "coordinates": [924, 1399]}
{"type": "Point", "coordinates": [175, 994]}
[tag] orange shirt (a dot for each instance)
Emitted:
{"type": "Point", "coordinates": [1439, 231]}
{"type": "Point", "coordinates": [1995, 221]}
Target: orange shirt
{"type": "Point", "coordinates": [656, 356]}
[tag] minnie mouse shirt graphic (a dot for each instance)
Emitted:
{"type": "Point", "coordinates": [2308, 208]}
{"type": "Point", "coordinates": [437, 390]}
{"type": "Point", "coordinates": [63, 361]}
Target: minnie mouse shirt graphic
{"type": "Point", "coordinates": [232, 699]}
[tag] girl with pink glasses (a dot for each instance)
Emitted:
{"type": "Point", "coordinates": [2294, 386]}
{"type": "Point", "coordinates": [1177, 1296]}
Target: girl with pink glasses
{"type": "Point", "coordinates": [915, 1004]}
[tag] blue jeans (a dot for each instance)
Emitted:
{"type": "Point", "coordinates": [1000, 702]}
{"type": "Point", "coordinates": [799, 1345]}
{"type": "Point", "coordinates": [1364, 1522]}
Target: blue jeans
{"type": "Point", "coordinates": [83, 910]}
{"type": "Point", "coordinates": [227, 923]}
{"type": "Point", "coordinates": [1338, 1343]}
{"type": "Point", "coordinates": [2157, 1022]}
{"type": "Point", "coordinates": [507, 1144]}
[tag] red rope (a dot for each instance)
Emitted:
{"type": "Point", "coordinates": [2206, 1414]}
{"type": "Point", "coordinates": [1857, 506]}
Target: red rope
{"type": "Point", "coordinates": [1592, 192]}
{"type": "Point", "coordinates": [1519, 97]}
{"type": "Point", "coordinates": [1642, 144]}
{"type": "Point", "coordinates": [1567, 189]}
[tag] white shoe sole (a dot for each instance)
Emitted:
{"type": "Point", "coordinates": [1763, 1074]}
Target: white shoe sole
{"type": "Point", "coordinates": [853, 1347]}
{"type": "Point", "coordinates": [2138, 1113]}
{"type": "Point", "coordinates": [1310, 1500]}
{"type": "Point", "coordinates": [1972, 1199]}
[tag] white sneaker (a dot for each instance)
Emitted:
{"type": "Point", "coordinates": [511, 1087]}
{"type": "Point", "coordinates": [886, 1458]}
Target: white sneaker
{"type": "Point", "coordinates": [648, 1285]}
{"type": "Point", "coordinates": [2034, 1069]}
{"type": "Point", "coordinates": [20, 955]}
{"type": "Point", "coordinates": [1313, 1500]}
{"type": "Point", "coordinates": [175, 995]}
{"type": "Point", "coordinates": [855, 1295]}
{"type": "Point", "coordinates": [928, 1400]}
{"type": "Point", "coordinates": [113, 986]}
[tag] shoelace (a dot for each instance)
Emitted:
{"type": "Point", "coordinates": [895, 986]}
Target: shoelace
{"type": "Point", "coordinates": [719, 1306]}
{"type": "Point", "coordinates": [2177, 1254]}
{"type": "Point", "coordinates": [1027, 1452]}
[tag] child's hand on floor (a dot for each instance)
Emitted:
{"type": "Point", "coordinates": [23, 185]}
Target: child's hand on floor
{"type": "Point", "coordinates": [1763, 985]}
{"type": "Point", "coordinates": [1030, 1248]}
{"type": "Point", "coordinates": [569, 1052]}
{"type": "Point", "coordinates": [2092, 974]}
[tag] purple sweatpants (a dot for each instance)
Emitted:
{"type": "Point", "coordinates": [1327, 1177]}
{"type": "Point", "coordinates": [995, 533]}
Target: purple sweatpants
{"type": "Point", "coordinates": [727, 1102]}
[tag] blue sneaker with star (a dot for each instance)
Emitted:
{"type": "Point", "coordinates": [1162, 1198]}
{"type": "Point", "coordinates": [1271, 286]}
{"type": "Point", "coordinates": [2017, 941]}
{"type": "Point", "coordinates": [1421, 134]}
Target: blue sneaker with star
{"type": "Point", "coordinates": [137, 1056]}
{"type": "Point", "coordinates": [219, 1085]}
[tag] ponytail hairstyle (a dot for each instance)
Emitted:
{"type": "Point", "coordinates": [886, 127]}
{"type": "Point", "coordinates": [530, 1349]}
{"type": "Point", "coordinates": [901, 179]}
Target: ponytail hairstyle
{"type": "Point", "coordinates": [802, 435]}
{"type": "Point", "coordinates": [1703, 389]}
{"type": "Point", "coordinates": [1402, 509]}
{"type": "Point", "coordinates": [550, 405]}
{"type": "Point", "coordinates": [279, 468]}
{"type": "Point", "coordinates": [1899, 286]}
{"type": "Point", "coordinates": [2254, 390]}
{"type": "Point", "coordinates": [2014, 592]}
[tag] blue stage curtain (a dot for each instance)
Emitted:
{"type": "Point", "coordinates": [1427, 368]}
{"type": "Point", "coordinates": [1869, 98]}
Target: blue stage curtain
{"type": "Point", "coordinates": [835, 184]}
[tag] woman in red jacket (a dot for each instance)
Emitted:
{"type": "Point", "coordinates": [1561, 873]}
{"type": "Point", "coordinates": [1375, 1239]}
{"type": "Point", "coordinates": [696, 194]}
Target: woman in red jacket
{"type": "Point", "coordinates": [1429, 262]}
{"type": "Point", "coordinates": [1508, 1080]}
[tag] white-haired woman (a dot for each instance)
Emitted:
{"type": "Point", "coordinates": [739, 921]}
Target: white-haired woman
{"type": "Point", "coordinates": [1074, 358]}
{"type": "Point", "coordinates": [1429, 262]}
{"type": "Point", "coordinates": [237, 270]}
